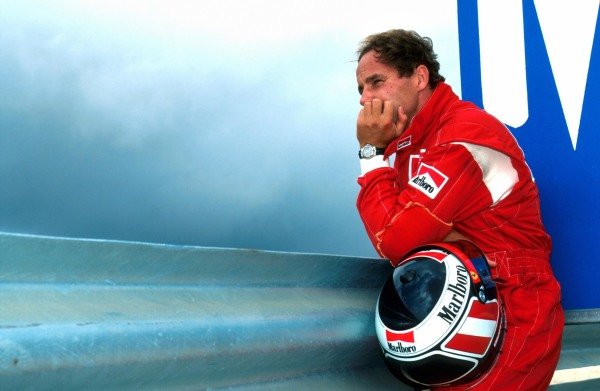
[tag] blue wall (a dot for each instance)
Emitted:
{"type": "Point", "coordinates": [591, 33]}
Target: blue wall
{"type": "Point", "coordinates": [568, 177]}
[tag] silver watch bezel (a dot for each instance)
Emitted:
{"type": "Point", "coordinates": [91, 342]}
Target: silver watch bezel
{"type": "Point", "coordinates": [368, 151]}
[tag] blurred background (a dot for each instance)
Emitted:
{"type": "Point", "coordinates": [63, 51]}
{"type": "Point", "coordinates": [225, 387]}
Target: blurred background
{"type": "Point", "coordinates": [219, 124]}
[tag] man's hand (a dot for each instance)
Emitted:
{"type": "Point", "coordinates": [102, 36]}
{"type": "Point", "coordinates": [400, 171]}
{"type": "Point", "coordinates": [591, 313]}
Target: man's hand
{"type": "Point", "coordinates": [378, 124]}
{"type": "Point", "coordinates": [455, 235]}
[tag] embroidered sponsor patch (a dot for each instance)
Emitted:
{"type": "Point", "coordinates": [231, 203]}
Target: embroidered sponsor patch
{"type": "Point", "coordinates": [429, 180]}
{"type": "Point", "coordinates": [403, 143]}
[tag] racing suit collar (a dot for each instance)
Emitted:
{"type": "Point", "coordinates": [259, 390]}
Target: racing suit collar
{"type": "Point", "coordinates": [439, 102]}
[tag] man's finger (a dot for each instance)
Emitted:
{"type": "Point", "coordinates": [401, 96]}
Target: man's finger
{"type": "Point", "coordinates": [377, 106]}
{"type": "Point", "coordinates": [388, 109]}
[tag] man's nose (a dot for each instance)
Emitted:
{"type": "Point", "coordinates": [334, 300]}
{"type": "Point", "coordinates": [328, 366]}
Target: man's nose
{"type": "Point", "coordinates": [365, 97]}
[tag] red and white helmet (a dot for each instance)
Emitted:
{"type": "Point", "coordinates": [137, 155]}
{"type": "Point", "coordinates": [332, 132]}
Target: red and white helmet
{"type": "Point", "coordinates": [439, 320]}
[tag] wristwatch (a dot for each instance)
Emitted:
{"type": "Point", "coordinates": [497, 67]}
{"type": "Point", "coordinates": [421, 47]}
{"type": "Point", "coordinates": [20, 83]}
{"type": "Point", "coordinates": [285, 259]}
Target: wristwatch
{"type": "Point", "coordinates": [368, 151]}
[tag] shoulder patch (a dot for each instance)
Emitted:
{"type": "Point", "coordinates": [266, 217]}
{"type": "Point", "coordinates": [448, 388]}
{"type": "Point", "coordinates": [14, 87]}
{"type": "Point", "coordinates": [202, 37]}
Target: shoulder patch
{"type": "Point", "coordinates": [428, 180]}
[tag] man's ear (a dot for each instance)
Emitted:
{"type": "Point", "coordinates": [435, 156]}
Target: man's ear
{"type": "Point", "coordinates": [422, 74]}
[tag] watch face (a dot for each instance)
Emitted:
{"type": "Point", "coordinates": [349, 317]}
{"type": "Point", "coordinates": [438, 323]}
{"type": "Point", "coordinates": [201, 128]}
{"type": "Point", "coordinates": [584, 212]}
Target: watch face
{"type": "Point", "coordinates": [368, 151]}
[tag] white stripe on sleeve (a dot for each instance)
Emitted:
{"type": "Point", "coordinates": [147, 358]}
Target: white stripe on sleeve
{"type": "Point", "coordinates": [499, 175]}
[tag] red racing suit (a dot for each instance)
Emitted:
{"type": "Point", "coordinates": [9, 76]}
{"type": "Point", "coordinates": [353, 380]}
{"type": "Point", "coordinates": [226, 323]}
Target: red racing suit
{"type": "Point", "coordinates": [458, 169]}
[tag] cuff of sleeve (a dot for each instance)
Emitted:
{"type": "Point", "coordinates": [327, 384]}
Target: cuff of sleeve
{"type": "Point", "coordinates": [374, 163]}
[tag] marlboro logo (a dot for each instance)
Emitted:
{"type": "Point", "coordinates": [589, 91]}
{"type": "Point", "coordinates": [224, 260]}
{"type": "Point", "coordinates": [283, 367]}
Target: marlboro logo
{"type": "Point", "coordinates": [428, 180]}
{"type": "Point", "coordinates": [397, 342]}
{"type": "Point", "coordinates": [392, 336]}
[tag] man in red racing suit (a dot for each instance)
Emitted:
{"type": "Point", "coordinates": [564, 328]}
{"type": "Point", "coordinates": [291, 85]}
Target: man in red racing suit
{"type": "Point", "coordinates": [458, 172]}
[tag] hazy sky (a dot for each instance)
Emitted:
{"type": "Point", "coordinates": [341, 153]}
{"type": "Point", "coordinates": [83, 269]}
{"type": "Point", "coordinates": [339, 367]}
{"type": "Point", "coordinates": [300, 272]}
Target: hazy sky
{"type": "Point", "coordinates": [221, 124]}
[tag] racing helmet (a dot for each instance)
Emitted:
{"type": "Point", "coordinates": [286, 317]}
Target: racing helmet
{"type": "Point", "coordinates": [439, 320]}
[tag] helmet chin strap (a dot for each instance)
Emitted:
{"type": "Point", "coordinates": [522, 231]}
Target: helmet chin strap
{"type": "Point", "coordinates": [478, 266]}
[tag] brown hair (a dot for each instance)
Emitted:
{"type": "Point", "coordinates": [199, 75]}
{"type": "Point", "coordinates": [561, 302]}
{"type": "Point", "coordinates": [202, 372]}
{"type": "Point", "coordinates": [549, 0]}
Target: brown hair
{"type": "Point", "coordinates": [405, 51]}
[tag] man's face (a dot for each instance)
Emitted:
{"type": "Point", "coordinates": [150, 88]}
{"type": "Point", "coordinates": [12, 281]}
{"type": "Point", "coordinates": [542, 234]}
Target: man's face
{"type": "Point", "coordinates": [377, 80]}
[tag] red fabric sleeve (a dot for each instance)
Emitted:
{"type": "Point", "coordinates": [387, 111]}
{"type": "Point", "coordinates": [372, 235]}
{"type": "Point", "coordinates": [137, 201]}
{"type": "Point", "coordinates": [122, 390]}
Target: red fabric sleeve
{"type": "Point", "coordinates": [399, 217]}
{"type": "Point", "coordinates": [414, 224]}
